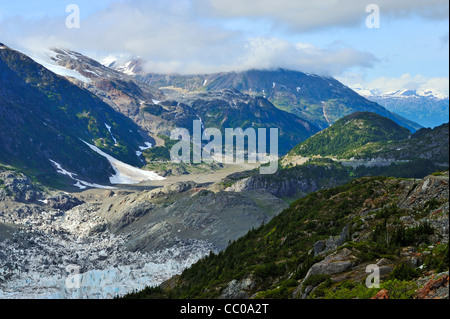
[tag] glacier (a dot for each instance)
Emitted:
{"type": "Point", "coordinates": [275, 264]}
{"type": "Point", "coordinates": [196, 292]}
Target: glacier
{"type": "Point", "coordinates": [57, 255]}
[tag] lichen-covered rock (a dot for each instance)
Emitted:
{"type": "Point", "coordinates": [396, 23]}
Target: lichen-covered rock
{"type": "Point", "coordinates": [333, 264]}
{"type": "Point", "coordinates": [382, 294]}
{"type": "Point", "coordinates": [323, 246]}
{"type": "Point", "coordinates": [434, 288]}
{"type": "Point", "coordinates": [238, 289]}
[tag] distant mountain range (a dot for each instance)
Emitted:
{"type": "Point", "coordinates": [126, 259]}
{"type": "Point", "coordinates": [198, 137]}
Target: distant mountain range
{"type": "Point", "coordinates": [317, 99]}
{"type": "Point", "coordinates": [426, 108]}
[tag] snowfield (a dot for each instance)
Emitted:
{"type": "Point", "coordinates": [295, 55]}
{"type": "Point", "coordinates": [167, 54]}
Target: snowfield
{"type": "Point", "coordinates": [126, 174]}
{"type": "Point", "coordinates": [45, 58]}
{"type": "Point", "coordinates": [79, 183]}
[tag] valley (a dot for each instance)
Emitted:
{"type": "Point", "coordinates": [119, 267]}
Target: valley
{"type": "Point", "coordinates": [93, 207]}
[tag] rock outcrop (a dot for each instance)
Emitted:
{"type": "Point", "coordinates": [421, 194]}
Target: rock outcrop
{"type": "Point", "coordinates": [435, 288]}
{"type": "Point", "coordinates": [18, 187]}
{"type": "Point", "coordinates": [238, 289]}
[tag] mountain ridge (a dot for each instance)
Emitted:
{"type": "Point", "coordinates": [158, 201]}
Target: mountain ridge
{"type": "Point", "coordinates": [318, 99]}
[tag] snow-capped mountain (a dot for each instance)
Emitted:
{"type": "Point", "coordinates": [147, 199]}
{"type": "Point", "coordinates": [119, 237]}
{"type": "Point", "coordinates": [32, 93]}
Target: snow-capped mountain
{"type": "Point", "coordinates": [127, 65]}
{"type": "Point", "coordinates": [45, 119]}
{"type": "Point", "coordinates": [119, 90]}
{"type": "Point", "coordinates": [401, 94]}
{"type": "Point", "coordinates": [428, 107]}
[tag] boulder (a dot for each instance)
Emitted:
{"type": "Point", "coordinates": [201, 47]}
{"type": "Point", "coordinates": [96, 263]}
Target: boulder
{"type": "Point", "coordinates": [62, 201]}
{"type": "Point", "coordinates": [238, 289]}
{"type": "Point", "coordinates": [323, 246]}
{"type": "Point", "coordinates": [18, 187]}
{"type": "Point", "coordinates": [335, 263]}
{"type": "Point", "coordinates": [382, 294]}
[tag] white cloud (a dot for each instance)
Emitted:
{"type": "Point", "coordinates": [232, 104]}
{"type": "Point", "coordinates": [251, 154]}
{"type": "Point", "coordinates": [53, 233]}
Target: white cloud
{"type": "Point", "coordinates": [175, 37]}
{"type": "Point", "coordinates": [301, 15]}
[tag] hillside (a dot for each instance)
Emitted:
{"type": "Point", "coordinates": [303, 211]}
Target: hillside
{"type": "Point", "coordinates": [44, 119]}
{"type": "Point", "coordinates": [321, 245]}
{"type": "Point", "coordinates": [429, 144]}
{"type": "Point", "coordinates": [233, 109]}
{"type": "Point", "coordinates": [346, 137]}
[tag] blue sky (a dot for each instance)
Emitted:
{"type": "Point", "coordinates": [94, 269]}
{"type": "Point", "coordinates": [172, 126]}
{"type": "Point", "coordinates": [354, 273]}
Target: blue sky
{"type": "Point", "coordinates": [410, 49]}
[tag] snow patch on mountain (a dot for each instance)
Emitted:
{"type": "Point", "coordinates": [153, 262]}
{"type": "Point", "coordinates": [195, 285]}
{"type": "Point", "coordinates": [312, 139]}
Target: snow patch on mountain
{"type": "Point", "coordinates": [109, 130]}
{"type": "Point", "coordinates": [128, 68]}
{"type": "Point", "coordinates": [79, 183]}
{"type": "Point", "coordinates": [48, 60]}
{"type": "Point", "coordinates": [143, 148]}
{"type": "Point", "coordinates": [125, 173]}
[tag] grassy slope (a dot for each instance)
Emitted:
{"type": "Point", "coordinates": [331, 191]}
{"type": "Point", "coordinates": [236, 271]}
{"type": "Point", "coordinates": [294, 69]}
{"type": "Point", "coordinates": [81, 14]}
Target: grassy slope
{"type": "Point", "coordinates": [351, 135]}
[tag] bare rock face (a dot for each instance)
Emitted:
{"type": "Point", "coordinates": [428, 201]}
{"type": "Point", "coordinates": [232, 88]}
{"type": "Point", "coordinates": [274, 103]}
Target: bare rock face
{"type": "Point", "coordinates": [203, 215]}
{"type": "Point", "coordinates": [382, 294]}
{"type": "Point", "coordinates": [17, 187]}
{"type": "Point", "coordinates": [62, 201]}
{"type": "Point", "coordinates": [332, 264]}
{"type": "Point", "coordinates": [323, 246]}
{"type": "Point", "coordinates": [434, 288]}
{"type": "Point", "coordinates": [336, 263]}
{"type": "Point", "coordinates": [170, 189]}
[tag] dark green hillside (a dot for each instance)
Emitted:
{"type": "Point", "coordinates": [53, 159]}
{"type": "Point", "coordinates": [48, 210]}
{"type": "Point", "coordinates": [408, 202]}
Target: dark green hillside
{"type": "Point", "coordinates": [44, 116]}
{"type": "Point", "coordinates": [351, 135]}
{"type": "Point", "coordinates": [367, 219]}
{"type": "Point", "coordinates": [425, 144]}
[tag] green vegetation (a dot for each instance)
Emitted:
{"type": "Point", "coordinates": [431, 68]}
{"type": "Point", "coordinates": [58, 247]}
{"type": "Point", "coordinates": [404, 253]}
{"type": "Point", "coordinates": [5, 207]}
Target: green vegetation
{"type": "Point", "coordinates": [438, 259]}
{"type": "Point", "coordinates": [404, 272]}
{"type": "Point", "coordinates": [398, 289]}
{"type": "Point", "coordinates": [417, 168]}
{"type": "Point", "coordinates": [278, 255]}
{"type": "Point", "coordinates": [160, 153]}
{"type": "Point", "coordinates": [352, 135]}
